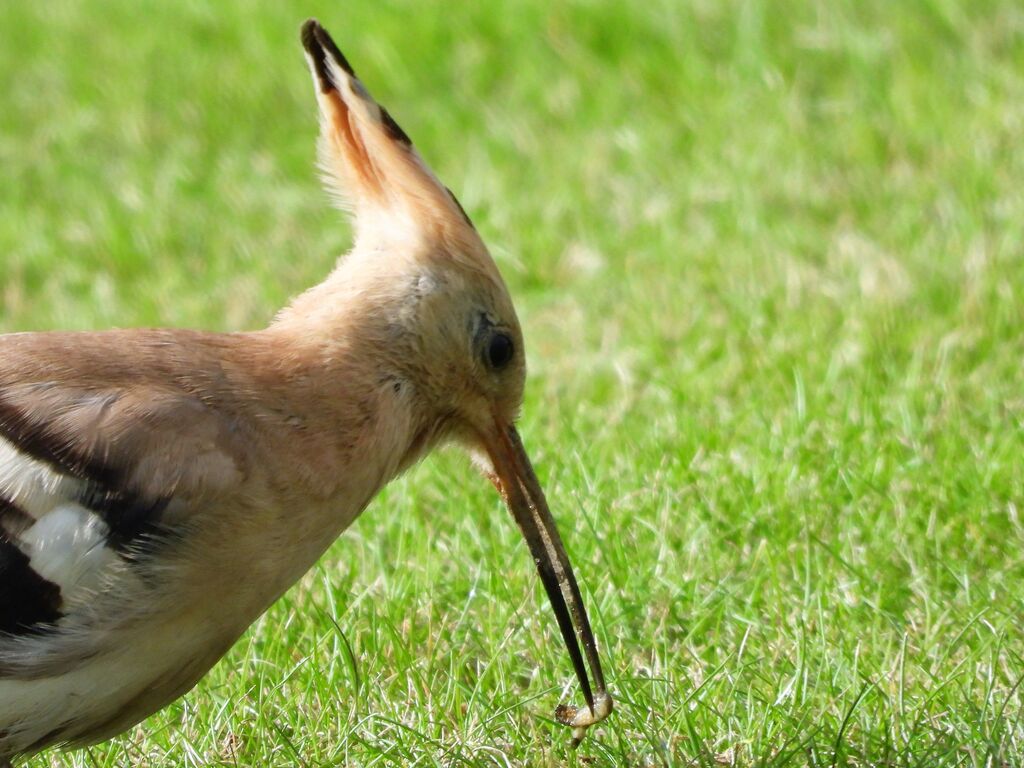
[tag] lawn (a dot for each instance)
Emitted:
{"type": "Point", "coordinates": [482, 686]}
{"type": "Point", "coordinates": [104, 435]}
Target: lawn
{"type": "Point", "coordinates": [769, 259]}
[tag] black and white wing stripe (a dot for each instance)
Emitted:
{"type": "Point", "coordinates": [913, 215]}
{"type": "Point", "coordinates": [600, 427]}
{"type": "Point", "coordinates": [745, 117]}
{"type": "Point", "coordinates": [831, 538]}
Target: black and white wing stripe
{"type": "Point", "coordinates": [27, 599]}
{"type": "Point", "coordinates": [86, 488]}
{"type": "Point", "coordinates": [60, 534]}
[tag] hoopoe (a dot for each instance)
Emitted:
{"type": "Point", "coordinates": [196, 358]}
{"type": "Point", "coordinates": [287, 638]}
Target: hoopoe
{"type": "Point", "coordinates": [144, 471]}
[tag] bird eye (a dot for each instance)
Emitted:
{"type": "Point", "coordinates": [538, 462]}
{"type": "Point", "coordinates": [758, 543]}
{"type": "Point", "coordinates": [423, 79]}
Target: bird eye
{"type": "Point", "coordinates": [500, 351]}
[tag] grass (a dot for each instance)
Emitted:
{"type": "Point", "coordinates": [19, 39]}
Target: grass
{"type": "Point", "coordinates": [768, 257]}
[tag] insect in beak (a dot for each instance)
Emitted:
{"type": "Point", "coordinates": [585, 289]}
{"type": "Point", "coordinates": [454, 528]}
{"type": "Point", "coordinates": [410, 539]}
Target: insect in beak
{"type": "Point", "coordinates": [517, 482]}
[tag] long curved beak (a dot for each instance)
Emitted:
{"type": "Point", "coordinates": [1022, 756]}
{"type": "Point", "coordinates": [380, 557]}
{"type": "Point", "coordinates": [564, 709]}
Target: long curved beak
{"type": "Point", "coordinates": [518, 485]}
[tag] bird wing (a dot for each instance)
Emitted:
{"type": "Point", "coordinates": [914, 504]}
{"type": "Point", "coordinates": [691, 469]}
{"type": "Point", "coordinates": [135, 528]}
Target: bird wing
{"type": "Point", "coordinates": [101, 460]}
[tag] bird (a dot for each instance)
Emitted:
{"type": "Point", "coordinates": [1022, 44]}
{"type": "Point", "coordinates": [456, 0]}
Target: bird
{"type": "Point", "coordinates": [161, 488]}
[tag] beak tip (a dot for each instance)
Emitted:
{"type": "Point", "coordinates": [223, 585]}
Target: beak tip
{"type": "Point", "coordinates": [579, 719]}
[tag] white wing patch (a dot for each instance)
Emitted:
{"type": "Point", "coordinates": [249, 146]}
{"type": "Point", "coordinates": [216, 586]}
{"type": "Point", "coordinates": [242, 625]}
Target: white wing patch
{"type": "Point", "coordinates": [33, 485]}
{"type": "Point", "coordinates": [66, 542]}
{"type": "Point", "coordinates": [68, 547]}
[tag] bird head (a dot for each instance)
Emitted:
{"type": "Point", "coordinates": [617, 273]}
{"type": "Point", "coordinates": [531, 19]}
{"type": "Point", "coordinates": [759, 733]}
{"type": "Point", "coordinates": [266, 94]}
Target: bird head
{"type": "Point", "coordinates": [434, 306]}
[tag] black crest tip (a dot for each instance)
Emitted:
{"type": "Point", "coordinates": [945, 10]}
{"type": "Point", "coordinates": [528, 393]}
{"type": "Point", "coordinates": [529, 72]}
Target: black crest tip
{"type": "Point", "coordinates": [319, 45]}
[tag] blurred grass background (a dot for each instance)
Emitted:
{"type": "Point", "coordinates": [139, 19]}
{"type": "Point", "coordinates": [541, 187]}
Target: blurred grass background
{"type": "Point", "coordinates": [768, 257]}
